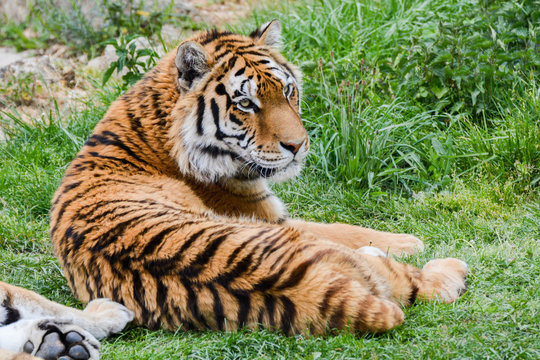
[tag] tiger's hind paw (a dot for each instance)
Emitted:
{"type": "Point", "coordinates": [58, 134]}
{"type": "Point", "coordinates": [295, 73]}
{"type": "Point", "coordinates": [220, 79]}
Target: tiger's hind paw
{"type": "Point", "coordinates": [59, 340]}
{"type": "Point", "coordinates": [405, 244]}
{"type": "Point", "coordinates": [444, 279]}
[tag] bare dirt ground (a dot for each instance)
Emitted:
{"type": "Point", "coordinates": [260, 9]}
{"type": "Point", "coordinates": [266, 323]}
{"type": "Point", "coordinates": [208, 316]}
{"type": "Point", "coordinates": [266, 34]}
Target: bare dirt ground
{"type": "Point", "coordinates": [33, 83]}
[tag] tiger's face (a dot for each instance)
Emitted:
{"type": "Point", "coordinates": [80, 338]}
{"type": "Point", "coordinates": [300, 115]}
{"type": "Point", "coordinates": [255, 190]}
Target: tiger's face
{"type": "Point", "coordinates": [244, 117]}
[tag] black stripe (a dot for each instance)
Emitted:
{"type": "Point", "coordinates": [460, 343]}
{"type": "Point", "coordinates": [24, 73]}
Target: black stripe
{"type": "Point", "coordinates": [336, 287]}
{"type": "Point", "coordinates": [240, 72]}
{"type": "Point", "coordinates": [200, 114]}
{"type": "Point", "coordinates": [121, 255]}
{"type": "Point", "coordinates": [157, 240]}
{"type": "Point", "coordinates": [111, 235]}
{"type": "Point", "coordinates": [190, 241]}
{"type": "Point", "coordinates": [235, 120]}
{"type": "Point", "coordinates": [270, 305]}
{"type": "Point", "coordinates": [137, 128]}
{"type": "Point", "coordinates": [12, 314]}
{"type": "Point", "coordinates": [232, 62]}
{"type": "Point", "coordinates": [213, 35]}
{"type": "Point", "coordinates": [215, 152]}
{"type": "Point", "coordinates": [61, 212]}
{"type": "Point", "coordinates": [220, 90]}
{"type": "Point", "coordinates": [165, 266]}
{"type": "Point", "coordinates": [78, 238]}
{"type": "Point", "coordinates": [163, 300]}
{"type": "Point", "coordinates": [218, 306]}
{"type": "Point", "coordinates": [266, 283]}
{"type": "Point", "coordinates": [260, 318]}
{"type": "Point", "coordinates": [336, 319]}
{"type": "Point", "coordinates": [89, 210]}
{"type": "Point", "coordinates": [105, 139]}
{"type": "Point", "coordinates": [240, 268]}
{"type": "Point", "coordinates": [71, 186]}
{"type": "Point", "coordinates": [193, 306]}
{"type": "Point", "coordinates": [252, 52]}
{"type": "Point", "coordinates": [289, 314]}
{"type": "Point", "coordinates": [244, 305]}
{"type": "Point", "coordinates": [273, 244]}
{"type": "Point", "coordinates": [299, 272]}
{"type": "Point", "coordinates": [233, 255]}
{"type": "Point", "coordinates": [203, 258]}
{"type": "Point", "coordinates": [261, 198]}
{"type": "Point", "coordinates": [120, 160]}
{"type": "Point", "coordinates": [414, 294]}
{"type": "Point", "coordinates": [139, 295]}
{"type": "Point", "coordinates": [296, 275]}
{"type": "Point", "coordinates": [158, 111]}
{"type": "Point", "coordinates": [215, 113]}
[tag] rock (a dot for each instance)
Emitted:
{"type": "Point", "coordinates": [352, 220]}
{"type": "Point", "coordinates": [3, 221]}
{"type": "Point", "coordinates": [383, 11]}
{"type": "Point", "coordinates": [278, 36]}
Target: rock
{"type": "Point", "coordinates": [9, 56]}
{"type": "Point", "coordinates": [14, 10]}
{"type": "Point", "coordinates": [103, 62]}
{"type": "Point", "coordinates": [41, 66]}
{"type": "Point", "coordinates": [171, 34]}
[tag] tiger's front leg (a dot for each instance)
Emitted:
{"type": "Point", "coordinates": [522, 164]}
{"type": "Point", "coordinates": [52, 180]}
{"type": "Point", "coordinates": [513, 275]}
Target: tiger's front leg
{"type": "Point", "coordinates": [356, 237]}
{"type": "Point", "coordinates": [31, 324]}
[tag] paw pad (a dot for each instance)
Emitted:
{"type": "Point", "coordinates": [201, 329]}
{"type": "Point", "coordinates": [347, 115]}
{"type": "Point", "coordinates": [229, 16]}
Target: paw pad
{"type": "Point", "coordinates": [78, 352]}
{"type": "Point", "coordinates": [28, 347]}
{"type": "Point", "coordinates": [59, 346]}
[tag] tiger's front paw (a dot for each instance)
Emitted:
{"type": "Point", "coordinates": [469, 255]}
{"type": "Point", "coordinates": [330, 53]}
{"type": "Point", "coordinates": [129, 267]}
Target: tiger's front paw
{"type": "Point", "coordinates": [59, 340]}
{"type": "Point", "coordinates": [107, 317]}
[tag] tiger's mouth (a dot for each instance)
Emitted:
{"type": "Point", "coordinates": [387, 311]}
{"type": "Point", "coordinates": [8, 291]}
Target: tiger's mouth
{"type": "Point", "coordinates": [252, 170]}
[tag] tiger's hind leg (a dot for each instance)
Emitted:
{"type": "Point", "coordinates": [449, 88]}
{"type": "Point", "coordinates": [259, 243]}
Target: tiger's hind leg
{"type": "Point", "coordinates": [32, 324]}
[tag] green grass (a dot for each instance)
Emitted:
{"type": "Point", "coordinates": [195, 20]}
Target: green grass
{"type": "Point", "coordinates": [465, 179]}
{"type": "Point", "coordinates": [396, 101]}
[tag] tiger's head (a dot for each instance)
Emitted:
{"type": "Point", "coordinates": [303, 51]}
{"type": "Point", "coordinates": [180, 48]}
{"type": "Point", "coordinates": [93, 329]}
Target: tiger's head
{"type": "Point", "coordinates": [239, 108]}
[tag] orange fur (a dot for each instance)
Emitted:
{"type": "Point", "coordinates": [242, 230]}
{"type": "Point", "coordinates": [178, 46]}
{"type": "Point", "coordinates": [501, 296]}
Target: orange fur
{"type": "Point", "coordinates": [140, 219]}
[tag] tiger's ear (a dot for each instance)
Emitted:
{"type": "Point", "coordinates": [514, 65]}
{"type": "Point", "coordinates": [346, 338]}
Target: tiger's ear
{"type": "Point", "coordinates": [192, 63]}
{"type": "Point", "coordinates": [268, 34]}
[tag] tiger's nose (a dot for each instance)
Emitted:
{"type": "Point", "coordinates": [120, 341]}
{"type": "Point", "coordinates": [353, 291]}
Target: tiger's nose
{"type": "Point", "coordinates": [293, 146]}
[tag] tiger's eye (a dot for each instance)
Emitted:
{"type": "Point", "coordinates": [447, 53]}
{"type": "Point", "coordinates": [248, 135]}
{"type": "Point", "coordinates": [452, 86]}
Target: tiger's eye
{"type": "Point", "coordinates": [287, 90]}
{"type": "Point", "coordinates": [245, 103]}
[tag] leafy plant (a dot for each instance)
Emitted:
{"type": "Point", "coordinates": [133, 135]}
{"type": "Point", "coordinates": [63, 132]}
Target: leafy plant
{"type": "Point", "coordinates": [136, 62]}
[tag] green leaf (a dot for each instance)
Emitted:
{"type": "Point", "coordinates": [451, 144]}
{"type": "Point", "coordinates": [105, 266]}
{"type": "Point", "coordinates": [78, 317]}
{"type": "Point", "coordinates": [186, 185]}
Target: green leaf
{"type": "Point", "coordinates": [108, 73]}
{"type": "Point", "coordinates": [439, 91]}
{"type": "Point", "coordinates": [438, 147]}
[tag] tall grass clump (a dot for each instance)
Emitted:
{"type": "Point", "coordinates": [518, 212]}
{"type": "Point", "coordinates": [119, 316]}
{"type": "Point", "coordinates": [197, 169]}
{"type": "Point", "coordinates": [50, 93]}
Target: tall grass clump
{"type": "Point", "coordinates": [387, 144]}
{"type": "Point", "coordinates": [407, 95]}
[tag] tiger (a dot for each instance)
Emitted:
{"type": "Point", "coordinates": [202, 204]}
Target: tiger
{"type": "Point", "coordinates": [168, 211]}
